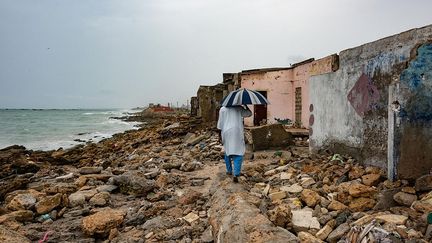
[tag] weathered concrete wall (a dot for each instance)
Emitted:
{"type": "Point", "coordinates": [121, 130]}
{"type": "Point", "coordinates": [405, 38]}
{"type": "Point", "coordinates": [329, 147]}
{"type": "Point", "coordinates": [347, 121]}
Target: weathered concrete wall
{"type": "Point", "coordinates": [209, 98]}
{"type": "Point", "coordinates": [350, 107]}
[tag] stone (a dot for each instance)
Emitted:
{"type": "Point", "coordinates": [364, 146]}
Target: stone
{"type": "Point", "coordinates": [281, 215]}
{"type": "Point", "coordinates": [189, 197]}
{"type": "Point", "coordinates": [307, 182]}
{"type": "Point", "coordinates": [269, 136]}
{"type": "Point", "coordinates": [207, 236]}
{"type": "Point", "coordinates": [286, 176]}
{"type": "Point", "coordinates": [106, 188]}
{"type": "Point", "coordinates": [76, 199]}
{"type": "Point", "coordinates": [385, 199]}
{"type": "Point", "coordinates": [336, 206]}
{"type": "Point", "coordinates": [90, 170]}
{"type": "Point", "coordinates": [194, 140]}
{"type": "Point", "coordinates": [134, 183]}
{"type": "Point", "coordinates": [100, 199]}
{"type": "Point", "coordinates": [266, 190]}
{"type": "Point", "coordinates": [409, 190]}
{"type": "Point", "coordinates": [393, 219]}
{"type": "Point", "coordinates": [356, 172]}
{"type": "Point", "coordinates": [324, 232]}
{"type": "Point", "coordinates": [48, 203]}
{"type": "Point", "coordinates": [360, 190]}
{"type": "Point", "coordinates": [22, 201]}
{"type": "Point", "coordinates": [277, 195]}
{"type": "Point", "coordinates": [307, 237]}
{"type": "Point", "coordinates": [361, 204]}
{"type": "Point", "coordinates": [424, 205]}
{"type": "Point", "coordinates": [7, 235]}
{"type": "Point", "coordinates": [303, 220]}
{"type": "Point", "coordinates": [19, 215]}
{"type": "Point", "coordinates": [102, 222]}
{"type": "Point", "coordinates": [295, 188]}
{"type": "Point", "coordinates": [230, 212]}
{"type": "Point", "coordinates": [191, 217]}
{"type": "Point", "coordinates": [404, 198]}
{"type": "Point", "coordinates": [311, 198]}
{"type": "Point", "coordinates": [338, 233]}
{"type": "Point", "coordinates": [424, 183]}
{"type": "Point", "coordinates": [371, 179]}
{"type": "Point", "coordinates": [81, 181]}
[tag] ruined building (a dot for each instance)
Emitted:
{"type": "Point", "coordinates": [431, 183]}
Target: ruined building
{"type": "Point", "coordinates": [378, 105]}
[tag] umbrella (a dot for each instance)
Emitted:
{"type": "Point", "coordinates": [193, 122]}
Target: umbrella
{"type": "Point", "coordinates": [244, 97]}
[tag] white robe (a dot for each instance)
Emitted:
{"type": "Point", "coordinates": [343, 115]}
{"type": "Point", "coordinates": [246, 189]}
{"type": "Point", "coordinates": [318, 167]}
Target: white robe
{"type": "Point", "coordinates": [231, 125]}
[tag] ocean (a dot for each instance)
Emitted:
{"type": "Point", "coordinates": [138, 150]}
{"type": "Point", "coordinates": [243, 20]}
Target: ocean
{"type": "Point", "coordinates": [52, 129]}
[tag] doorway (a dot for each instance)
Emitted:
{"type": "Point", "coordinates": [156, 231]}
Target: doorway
{"type": "Point", "coordinates": [298, 106]}
{"type": "Point", "coordinates": [260, 112]}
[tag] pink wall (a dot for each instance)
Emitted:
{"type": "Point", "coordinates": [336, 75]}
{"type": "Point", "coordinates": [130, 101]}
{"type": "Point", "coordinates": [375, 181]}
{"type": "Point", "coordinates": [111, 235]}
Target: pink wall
{"type": "Point", "coordinates": [278, 88]}
{"type": "Point", "coordinates": [281, 85]}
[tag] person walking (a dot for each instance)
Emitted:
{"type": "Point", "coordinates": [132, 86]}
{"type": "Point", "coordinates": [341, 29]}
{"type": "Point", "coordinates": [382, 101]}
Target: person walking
{"type": "Point", "coordinates": [230, 124]}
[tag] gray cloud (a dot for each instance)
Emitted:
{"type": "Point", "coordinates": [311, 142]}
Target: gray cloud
{"type": "Point", "coordinates": [116, 53]}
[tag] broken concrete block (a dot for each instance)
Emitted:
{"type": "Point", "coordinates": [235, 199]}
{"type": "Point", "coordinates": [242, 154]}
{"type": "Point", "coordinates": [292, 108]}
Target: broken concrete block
{"type": "Point", "coordinates": [269, 136]}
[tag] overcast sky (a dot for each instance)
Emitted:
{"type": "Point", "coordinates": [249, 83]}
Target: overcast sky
{"type": "Point", "coordinates": [127, 53]}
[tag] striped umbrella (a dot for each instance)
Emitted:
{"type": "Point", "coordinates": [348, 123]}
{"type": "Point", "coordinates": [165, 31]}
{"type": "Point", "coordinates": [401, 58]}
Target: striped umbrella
{"type": "Point", "coordinates": [244, 97]}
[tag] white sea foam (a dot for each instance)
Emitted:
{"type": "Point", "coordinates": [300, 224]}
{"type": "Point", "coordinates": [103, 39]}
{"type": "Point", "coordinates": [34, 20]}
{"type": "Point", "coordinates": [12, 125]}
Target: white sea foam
{"type": "Point", "coordinates": [52, 129]}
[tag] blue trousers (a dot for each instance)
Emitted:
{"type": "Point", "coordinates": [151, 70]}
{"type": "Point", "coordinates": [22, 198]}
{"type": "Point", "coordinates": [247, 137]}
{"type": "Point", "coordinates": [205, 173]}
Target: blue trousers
{"type": "Point", "coordinates": [237, 159]}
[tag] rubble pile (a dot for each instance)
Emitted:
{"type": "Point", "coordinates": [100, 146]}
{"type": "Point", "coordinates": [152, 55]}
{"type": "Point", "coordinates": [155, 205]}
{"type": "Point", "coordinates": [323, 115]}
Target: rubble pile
{"type": "Point", "coordinates": [166, 183]}
{"type": "Point", "coordinates": [334, 199]}
{"type": "Point", "coordinates": [137, 186]}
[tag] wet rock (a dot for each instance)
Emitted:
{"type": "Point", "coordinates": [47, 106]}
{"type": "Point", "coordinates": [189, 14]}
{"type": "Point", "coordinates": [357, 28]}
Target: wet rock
{"type": "Point", "coordinates": [371, 179]}
{"type": "Point", "coordinates": [90, 170]}
{"type": "Point", "coordinates": [404, 198]}
{"type": "Point", "coordinates": [338, 233]}
{"type": "Point", "coordinates": [281, 215]}
{"type": "Point", "coordinates": [102, 222]}
{"type": "Point", "coordinates": [361, 204]}
{"type": "Point", "coordinates": [303, 220]}
{"type": "Point", "coordinates": [424, 183]}
{"type": "Point", "coordinates": [134, 183]}
{"type": "Point", "coordinates": [100, 199]}
{"type": "Point", "coordinates": [7, 235]}
{"type": "Point", "coordinates": [311, 198]}
{"type": "Point", "coordinates": [48, 203]}
{"type": "Point", "coordinates": [22, 201]}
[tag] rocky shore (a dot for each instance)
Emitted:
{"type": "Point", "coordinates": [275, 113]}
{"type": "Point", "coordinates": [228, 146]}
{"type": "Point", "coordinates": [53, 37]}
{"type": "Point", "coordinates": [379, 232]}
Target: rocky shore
{"type": "Point", "coordinates": [165, 182]}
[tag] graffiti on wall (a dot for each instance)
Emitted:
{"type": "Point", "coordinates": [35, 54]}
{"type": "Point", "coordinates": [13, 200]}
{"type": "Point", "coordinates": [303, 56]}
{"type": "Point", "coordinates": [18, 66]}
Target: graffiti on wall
{"type": "Point", "coordinates": [364, 95]}
{"type": "Point", "coordinates": [418, 79]}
